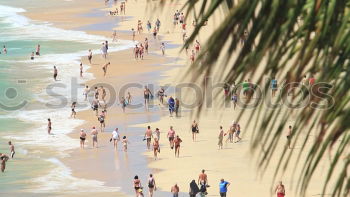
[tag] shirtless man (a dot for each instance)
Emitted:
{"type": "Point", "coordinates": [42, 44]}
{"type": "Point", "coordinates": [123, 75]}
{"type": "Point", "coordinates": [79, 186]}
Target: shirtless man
{"type": "Point", "coordinates": [55, 73]}
{"type": "Point", "coordinates": [177, 142]}
{"type": "Point", "coordinates": [104, 68]}
{"type": "Point", "coordinates": [147, 94]}
{"type": "Point", "coordinates": [82, 138]}
{"type": "Point", "coordinates": [156, 149]}
{"type": "Point", "coordinates": [94, 133]}
{"type": "Point", "coordinates": [171, 135]}
{"type": "Point", "coordinates": [280, 190]}
{"type": "Point", "coordinates": [12, 149]}
{"type": "Point", "coordinates": [148, 136]}
{"type": "Point", "coordinates": [49, 126]}
{"type": "Point", "coordinates": [203, 178]}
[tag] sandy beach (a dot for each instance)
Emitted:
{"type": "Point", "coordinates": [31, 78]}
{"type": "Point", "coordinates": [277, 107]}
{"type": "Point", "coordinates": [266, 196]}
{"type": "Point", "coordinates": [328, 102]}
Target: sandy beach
{"type": "Point", "coordinates": [115, 168]}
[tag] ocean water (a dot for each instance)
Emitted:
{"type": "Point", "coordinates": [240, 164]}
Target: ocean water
{"type": "Point", "coordinates": [29, 95]}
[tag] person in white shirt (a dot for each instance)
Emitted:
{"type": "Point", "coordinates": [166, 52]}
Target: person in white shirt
{"type": "Point", "coordinates": [115, 138]}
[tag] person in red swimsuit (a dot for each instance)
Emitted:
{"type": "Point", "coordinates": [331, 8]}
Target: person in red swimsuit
{"type": "Point", "coordinates": [280, 191]}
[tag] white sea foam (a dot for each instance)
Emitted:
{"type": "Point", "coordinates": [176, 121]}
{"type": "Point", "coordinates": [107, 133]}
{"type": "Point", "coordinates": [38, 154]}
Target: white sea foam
{"type": "Point", "coordinates": [52, 182]}
{"type": "Point", "coordinates": [22, 28]}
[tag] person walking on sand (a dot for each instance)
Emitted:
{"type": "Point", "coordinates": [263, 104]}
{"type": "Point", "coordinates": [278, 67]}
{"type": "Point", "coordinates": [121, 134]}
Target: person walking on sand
{"type": "Point", "coordinates": [101, 119]}
{"type": "Point", "coordinates": [155, 33]}
{"type": "Point", "coordinates": [157, 134]}
{"type": "Point", "coordinates": [149, 26]}
{"type": "Point", "coordinates": [81, 70]}
{"type": "Point", "coordinates": [177, 107]}
{"type": "Point", "coordinates": [280, 190]}
{"type": "Point", "coordinates": [156, 148]}
{"type": "Point", "coordinates": [195, 130]}
{"type": "Point", "coordinates": [273, 87]}
{"type": "Point", "coordinates": [175, 190]}
{"type": "Point", "coordinates": [128, 98]}
{"type": "Point", "coordinates": [49, 126]}
{"type": "Point", "coordinates": [37, 52]}
{"type": "Point", "coordinates": [147, 94]}
{"type": "Point", "coordinates": [104, 50]}
{"type": "Point", "coordinates": [237, 132]}
{"type": "Point", "coordinates": [171, 104]}
{"type": "Point", "coordinates": [82, 138]}
{"type": "Point", "coordinates": [115, 138]}
{"type": "Point", "coordinates": [86, 92]}
{"type": "Point", "coordinates": [148, 136]}
{"type": "Point", "coordinates": [157, 24]}
{"type": "Point", "coordinates": [146, 45]}
{"type": "Point", "coordinates": [223, 187]}
{"type": "Point", "coordinates": [289, 136]}
{"type": "Point", "coordinates": [136, 52]}
{"type": "Point", "coordinates": [221, 137]}
{"type": "Point", "coordinates": [55, 73]}
{"type": "Point", "coordinates": [104, 68]}
{"type": "Point", "coordinates": [133, 34]}
{"type": "Point", "coordinates": [12, 149]}
{"type": "Point", "coordinates": [123, 103]}
{"type": "Point", "coordinates": [114, 36]}
{"type": "Point", "coordinates": [90, 56]}
{"type": "Point", "coordinates": [94, 133]}
{"type": "Point", "coordinates": [125, 143]}
{"type": "Point", "coordinates": [194, 190]}
{"type": "Point", "coordinates": [151, 185]}
{"type": "Point", "coordinates": [137, 186]}
{"type": "Point", "coordinates": [74, 113]}
{"type": "Point", "coordinates": [177, 142]}
{"type": "Point", "coordinates": [203, 178]}
{"type": "Point", "coordinates": [162, 48]}
{"type": "Point", "coordinates": [171, 136]}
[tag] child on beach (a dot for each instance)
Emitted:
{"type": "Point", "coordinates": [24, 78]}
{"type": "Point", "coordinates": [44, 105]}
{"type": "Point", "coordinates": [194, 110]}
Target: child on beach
{"type": "Point", "coordinates": [125, 143]}
{"type": "Point", "coordinates": [38, 50]}
{"type": "Point", "coordinates": [32, 56]}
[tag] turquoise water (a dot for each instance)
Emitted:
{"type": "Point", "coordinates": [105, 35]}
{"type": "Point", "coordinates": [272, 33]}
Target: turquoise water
{"type": "Point", "coordinates": [23, 98]}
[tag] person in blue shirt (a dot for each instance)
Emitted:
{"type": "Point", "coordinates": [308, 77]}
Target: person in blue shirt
{"type": "Point", "coordinates": [171, 103]}
{"type": "Point", "coordinates": [223, 187]}
{"type": "Point", "coordinates": [273, 86]}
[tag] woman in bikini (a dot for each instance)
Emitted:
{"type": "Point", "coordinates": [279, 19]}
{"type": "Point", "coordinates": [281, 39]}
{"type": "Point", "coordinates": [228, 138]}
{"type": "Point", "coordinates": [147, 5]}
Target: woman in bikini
{"type": "Point", "coordinates": [161, 95]}
{"type": "Point", "coordinates": [74, 113]}
{"type": "Point", "coordinates": [82, 138]}
{"type": "Point", "coordinates": [194, 129]}
{"type": "Point", "coordinates": [156, 149]}
{"type": "Point", "coordinates": [138, 186]}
